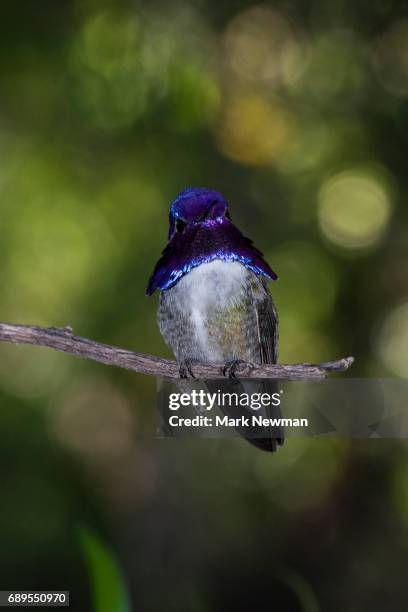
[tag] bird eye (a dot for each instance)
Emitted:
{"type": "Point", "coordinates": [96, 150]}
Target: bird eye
{"type": "Point", "coordinates": [180, 225]}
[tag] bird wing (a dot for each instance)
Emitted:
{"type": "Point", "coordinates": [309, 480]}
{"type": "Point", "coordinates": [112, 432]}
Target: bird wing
{"type": "Point", "coordinates": [267, 319]}
{"type": "Point", "coordinates": [268, 334]}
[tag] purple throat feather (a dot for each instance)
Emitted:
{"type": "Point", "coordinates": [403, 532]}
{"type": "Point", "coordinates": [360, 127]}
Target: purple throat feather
{"type": "Point", "coordinates": [202, 242]}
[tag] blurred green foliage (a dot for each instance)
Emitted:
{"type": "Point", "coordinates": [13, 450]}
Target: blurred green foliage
{"type": "Point", "coordinates": [297, 112]}
{"type": "Point", "coordinates": [109, 591]}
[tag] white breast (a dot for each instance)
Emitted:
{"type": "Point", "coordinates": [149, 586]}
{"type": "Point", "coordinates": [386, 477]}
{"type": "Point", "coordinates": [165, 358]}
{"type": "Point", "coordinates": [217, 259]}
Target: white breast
{"type": "Point", "coordinates": [214, 284]}
{"type": "Point", "coordinates": [206, 289]}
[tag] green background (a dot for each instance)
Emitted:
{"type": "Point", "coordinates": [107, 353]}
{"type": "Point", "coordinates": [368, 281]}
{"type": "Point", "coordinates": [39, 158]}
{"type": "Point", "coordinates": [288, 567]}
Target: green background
{"type": "Point", "coordinates": [297, 112]}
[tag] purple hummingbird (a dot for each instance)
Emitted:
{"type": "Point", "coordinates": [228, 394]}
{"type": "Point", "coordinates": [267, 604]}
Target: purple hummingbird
{"type": "Point", "coordinates": [215, 306]}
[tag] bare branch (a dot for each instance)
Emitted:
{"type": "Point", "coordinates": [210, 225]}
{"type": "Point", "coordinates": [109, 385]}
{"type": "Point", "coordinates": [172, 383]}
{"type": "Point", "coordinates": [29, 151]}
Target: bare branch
{"type": "Point", "coordinates": [62, 339]}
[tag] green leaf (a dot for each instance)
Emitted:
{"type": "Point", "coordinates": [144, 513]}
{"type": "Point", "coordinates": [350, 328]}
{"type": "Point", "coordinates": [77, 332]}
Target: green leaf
{"type": "Point", "coordinates": [109, 591]}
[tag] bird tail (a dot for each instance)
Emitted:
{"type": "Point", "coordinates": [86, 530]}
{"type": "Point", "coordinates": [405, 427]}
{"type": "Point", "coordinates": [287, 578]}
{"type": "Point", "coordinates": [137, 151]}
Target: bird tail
{"type": "Point", "coordinates": [269, 436]}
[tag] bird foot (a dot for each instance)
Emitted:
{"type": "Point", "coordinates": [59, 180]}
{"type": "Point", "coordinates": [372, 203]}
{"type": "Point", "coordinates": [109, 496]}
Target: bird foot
{"type": "Point", "coordinates": [185, 370]}
{"type": "Point", "coordinates": [230, 368]}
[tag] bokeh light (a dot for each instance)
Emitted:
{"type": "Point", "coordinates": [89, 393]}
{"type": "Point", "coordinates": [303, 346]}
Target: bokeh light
{"type": "Point", "coordinates": [262, 45]}
{"type": "Point", "coordinates": [355, 208]}
{"type": "Point", "coordinates": [390, 58]}
{"type": "Point", "coordinates": [254, 130]}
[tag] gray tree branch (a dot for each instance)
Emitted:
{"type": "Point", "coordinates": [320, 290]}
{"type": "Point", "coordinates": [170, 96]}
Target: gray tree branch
{"type": "Point", "coordinates": [63, 339]}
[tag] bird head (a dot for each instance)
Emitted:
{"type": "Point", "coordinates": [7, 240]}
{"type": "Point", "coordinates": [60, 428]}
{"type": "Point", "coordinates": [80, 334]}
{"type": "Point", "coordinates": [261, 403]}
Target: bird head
{"type": "Point", "coordinates": [201, 231]}
{"type": "Point", "coordinates": [197, 206]}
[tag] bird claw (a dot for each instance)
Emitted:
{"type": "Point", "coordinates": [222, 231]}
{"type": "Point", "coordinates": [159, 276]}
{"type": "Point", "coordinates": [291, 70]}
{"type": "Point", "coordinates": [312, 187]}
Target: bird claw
{"type": "Point", "coordinates": [230, 368]}
{"type": "Point", "coordinates": [185, 370]}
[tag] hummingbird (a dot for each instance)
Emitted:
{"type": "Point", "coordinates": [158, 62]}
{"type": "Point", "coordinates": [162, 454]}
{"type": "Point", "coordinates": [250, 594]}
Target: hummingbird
{"type": "Point", "coordinates": [215, 306]}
